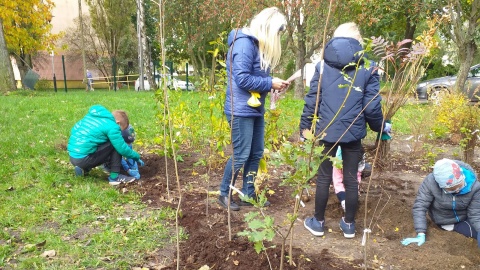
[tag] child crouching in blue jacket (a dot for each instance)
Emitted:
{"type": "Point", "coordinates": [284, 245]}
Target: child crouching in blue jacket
{"type": "Point", "coordinates": [97, 139]}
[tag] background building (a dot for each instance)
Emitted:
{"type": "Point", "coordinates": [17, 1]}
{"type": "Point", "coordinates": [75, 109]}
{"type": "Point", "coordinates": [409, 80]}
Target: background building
{"type": "Point", "coordinates": [64, 13]}
{"type": "Point", "coordinates": [70, 68]}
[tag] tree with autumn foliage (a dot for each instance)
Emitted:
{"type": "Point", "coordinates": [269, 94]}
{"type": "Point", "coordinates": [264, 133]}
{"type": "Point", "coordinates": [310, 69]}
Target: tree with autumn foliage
{"type": "Point", "coordinates": [394, 20]}
{"type": "Point", "coordinates": [306, 23]}
{"type": "Point", "coordinates": [95, 47]}
{"type": "Point", "coordinates": [27, 29]}
{"type": "Point", "coordinates": [464, 31]}
{"type": "Point", "coordinates": [111, 22]}
{"type": "Point", "coordinates": [191, 25]}
{"type": "Point", "coordinates": [7, 80]}
{"type": "Point", "coordinates": [403, 66]}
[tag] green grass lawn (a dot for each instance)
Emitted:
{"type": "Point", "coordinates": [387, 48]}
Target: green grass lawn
{"type": "Point", "coordinates": [88, 223]}
{"type": "Point", "coordinates": [43, 207]}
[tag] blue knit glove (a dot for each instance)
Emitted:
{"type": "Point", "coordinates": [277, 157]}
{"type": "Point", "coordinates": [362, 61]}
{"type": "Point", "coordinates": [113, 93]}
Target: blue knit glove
{"type": "Point", "coordinates": [134, 173]}
{"type": "Point", "coordinates": [141, 163]}
{"type": "Point", "coordinates": [420, 240]}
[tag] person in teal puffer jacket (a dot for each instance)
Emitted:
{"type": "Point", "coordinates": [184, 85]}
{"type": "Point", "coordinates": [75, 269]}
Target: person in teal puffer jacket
{"type": "Point", "coordinates": [97, 139]}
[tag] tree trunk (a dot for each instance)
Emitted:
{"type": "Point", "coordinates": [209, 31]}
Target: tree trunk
{"type": "Point", "coordinates": [465, 56]}
{"type": "Point", "coordinates": [300, 62]}
{"type": "Point", "coordinates": [147, 58]}
{"type": "Point", "coordinates": [409, 31]}
{"type": "Point", "coordinates": [469, 150]}
{"type": "Point", "coordinates": [384, 154]}
{"type": "Point", "coordinates": [7, 79]}
{"type": "Point", "coordinates": [200, 70]}
{"type": "Point", "coordinates": [299, 85]}
{"type": "Point", "coordinates": [465, 38]}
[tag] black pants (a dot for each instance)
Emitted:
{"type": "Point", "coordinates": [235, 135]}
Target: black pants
{"type": "Point", "coordinates": [465, 228]}
{"type": "Point", "coordinates": [351, 155]}
{"type": "Point", "coordinates": [105, 153]}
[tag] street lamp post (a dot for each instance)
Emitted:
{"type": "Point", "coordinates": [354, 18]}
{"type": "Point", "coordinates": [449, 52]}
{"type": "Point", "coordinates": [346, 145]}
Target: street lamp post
{"type": "Point", "coordinates": [53, 71]}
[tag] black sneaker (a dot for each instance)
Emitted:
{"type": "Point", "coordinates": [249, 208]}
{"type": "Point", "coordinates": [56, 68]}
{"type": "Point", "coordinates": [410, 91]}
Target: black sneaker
{"type": "Point", "coordinates": [106, 167]}
{"type": "Point", "coordinates": [367, 171]}
{"type": "Point", "coordinates": [223, 201]}
{"type": "Point", "coordinates": [79, 172]}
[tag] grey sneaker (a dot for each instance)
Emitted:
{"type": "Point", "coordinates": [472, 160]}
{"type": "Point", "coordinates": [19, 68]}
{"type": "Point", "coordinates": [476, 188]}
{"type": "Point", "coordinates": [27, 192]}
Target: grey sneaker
{"type": "Point", "coordinates": [314, 226]}
{"type": "Point", "coordinates": [121, 179]}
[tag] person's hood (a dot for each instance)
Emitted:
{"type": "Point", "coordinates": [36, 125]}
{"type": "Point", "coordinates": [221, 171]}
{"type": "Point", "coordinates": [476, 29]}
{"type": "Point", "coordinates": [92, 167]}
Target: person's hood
{"type": "Point", "coordinates": [470, 179]}
{"type": "Point", "coordinates": [100, 111]}
{"type": "Point", "coordinates": [341, 51]}
{"type": "Point", "coordinates": [236, 34]}
{"type": "Point", "coordinates": [128, 134]}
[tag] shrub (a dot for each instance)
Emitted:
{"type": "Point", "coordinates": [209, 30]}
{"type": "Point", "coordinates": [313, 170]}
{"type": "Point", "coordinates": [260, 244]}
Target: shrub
{"type": "Point", "coordinates": [43, 85]}
{"type": "Point", "coordinates": [436, 69]}
{"type": "Point", "coordinates": [454, 116]}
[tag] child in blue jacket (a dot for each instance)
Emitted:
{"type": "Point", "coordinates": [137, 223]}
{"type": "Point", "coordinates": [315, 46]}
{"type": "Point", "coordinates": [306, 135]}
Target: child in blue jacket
{"type": "Point", "coordinates": [97, 139]}
{"type": "Point", "coordinates": [128, 134]}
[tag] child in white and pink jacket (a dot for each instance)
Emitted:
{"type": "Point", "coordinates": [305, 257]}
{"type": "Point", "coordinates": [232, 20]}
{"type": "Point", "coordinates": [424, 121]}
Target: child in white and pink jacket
{"type": "Point", "coordinates": [337, 177]}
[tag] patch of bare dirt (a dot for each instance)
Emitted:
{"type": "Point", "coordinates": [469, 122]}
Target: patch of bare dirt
{"type": "Point", "coordinates": [386, 200]}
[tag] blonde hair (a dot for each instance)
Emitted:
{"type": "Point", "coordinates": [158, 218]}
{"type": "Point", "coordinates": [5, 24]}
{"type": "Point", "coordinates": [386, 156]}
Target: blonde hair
{"type": "Point", "coordinates": [265, 26]}
{"type": "Point", "coordinates": [121, 118]}
{"type": "Point", "coordinates": [350, 30]}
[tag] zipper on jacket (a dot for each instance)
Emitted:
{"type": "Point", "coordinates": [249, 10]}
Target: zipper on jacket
{"type": "Point", "coordinates": [455, 206]}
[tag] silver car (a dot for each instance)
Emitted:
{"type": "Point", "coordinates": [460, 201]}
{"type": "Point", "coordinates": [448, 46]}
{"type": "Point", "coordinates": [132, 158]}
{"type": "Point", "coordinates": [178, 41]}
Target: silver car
{"type": "Point", "coordinates": [182, 85]}
{"type": "Point", "coordinates": [431, 89]}
{"type": "Point", "coordinates": [158, 81]}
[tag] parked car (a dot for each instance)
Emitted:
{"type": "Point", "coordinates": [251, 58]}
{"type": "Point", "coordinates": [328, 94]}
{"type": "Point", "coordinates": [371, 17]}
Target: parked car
{"type": "Point", "coordinates": [182, 85]}
{"type": "Point", "coordinates": [146, 84]}
{"type": "Point", "coordinates": [431, 89]}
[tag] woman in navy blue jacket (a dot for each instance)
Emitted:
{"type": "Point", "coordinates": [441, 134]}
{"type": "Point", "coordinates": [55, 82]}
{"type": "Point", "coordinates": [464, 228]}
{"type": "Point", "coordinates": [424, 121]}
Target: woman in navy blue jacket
{"type": "Point", "coordinates": [343, 113]}
{"type": "Point", "coordinates": [252, 53]}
